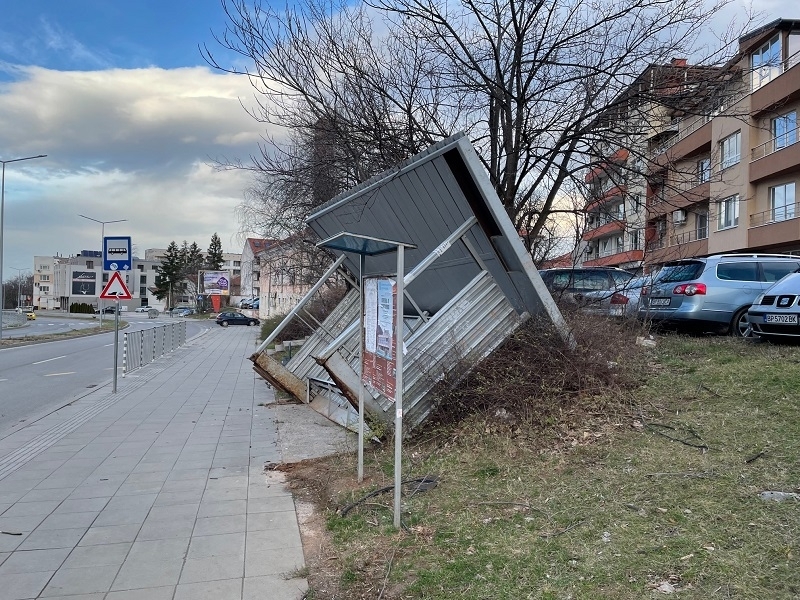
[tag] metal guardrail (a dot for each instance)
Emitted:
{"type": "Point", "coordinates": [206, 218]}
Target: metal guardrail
{"type": "Point", "coordinates": [142, 347]}
{"type": "Point", "coordinates": [11, 318]}
{"type": "Point", "coordinates": [775, 215]}
{"type": "Point", "coordinates": [784, 140]}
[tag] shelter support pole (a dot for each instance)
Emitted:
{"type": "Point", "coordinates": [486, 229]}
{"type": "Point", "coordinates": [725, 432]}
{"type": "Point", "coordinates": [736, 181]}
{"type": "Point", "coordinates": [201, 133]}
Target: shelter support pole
{"type": "Point", "coordinates": [398, 390]}
{"type": "Point", "coordinates": [361, 263]}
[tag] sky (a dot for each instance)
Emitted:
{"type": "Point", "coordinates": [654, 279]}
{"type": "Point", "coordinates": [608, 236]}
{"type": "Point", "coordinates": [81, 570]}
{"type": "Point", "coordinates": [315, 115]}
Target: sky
{"type": "Point", "coordinates": [131, 118]}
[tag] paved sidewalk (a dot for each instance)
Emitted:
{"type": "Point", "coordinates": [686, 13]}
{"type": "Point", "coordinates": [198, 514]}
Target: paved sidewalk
{"type": "Point", "coordinates": [156, 492]}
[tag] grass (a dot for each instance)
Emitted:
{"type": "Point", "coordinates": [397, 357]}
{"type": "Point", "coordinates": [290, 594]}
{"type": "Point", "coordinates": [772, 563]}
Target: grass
{"type": "Point", "coordinates": [599, 507]}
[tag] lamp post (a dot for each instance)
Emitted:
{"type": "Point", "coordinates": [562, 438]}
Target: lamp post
{"type": "Point", "coordinates": [2, 223]}
{"type": "Point", "coordinates": [102, 239]}
{"type": "Point", "coordinates": [19, 283]}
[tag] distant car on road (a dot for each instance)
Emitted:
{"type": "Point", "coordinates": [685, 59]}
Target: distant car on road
{"type": "Point", "coordinates": [30, 316]}
{"type": "Point", "coordinates": [235, 318]}
{"type": "Point", "coordinates": [143, 309]}
{"type": "Point", "coordinates": [108, 310]}
{"type": "Point", "coordinates": [183, 312]}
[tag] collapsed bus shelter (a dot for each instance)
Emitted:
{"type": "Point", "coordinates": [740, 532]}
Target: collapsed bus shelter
{"type": "Point", "coordinates": [468, 284]}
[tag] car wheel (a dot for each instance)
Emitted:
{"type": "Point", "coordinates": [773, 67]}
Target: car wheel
{"type": "Point", "coordinates": [740, 326]}
{"type": "Point", "coordinates": [224, 323]}
{"type": "Point", "coordinates": [251, 323]}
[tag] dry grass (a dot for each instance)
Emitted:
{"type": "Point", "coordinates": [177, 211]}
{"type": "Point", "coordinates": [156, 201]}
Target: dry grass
{"type": "Point", "coordinates": [592, 499]}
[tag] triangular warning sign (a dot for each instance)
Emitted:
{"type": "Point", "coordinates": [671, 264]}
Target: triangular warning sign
{"type": "Point", "coordinates": [115, 289]}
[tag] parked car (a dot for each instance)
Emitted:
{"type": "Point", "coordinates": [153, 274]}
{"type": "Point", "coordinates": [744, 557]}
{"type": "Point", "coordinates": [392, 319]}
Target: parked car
{"type": "Point", "coordinates": [715, 292]}
{"type": "Point", "coordinates": [108, 310]}
{"type": "Point", "coordinates": [587, 287]}
{"type": "Point", "coordinates": [775, 313]}
{"type": "Point", "coordinates": [183, 312]}
{"type": "Point", "coordinates": [143, 309]}
{"type": "Point", "coordinates": [255, 303]}
{"type": "Point", "coordinates": [235, 318]}
{"type": "Point", "coordinates": [621, 301]}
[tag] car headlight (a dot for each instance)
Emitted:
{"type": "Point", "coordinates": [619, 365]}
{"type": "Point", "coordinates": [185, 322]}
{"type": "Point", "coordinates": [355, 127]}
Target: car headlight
{"type": "Point", "coordinates": [758, 300]}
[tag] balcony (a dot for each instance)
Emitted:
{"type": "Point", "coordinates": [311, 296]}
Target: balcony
{"type": "Point", "coordinates": [774, 227]}
{"type": "Point", "coordinates": [614, 259]}
{"type": "Point", "coordinates": [614, 192]}
{"type": "Point", "coordinates": [784, 87]}
{"type": "Point", "coordinates": [690, 141]}
{"type": "Point", "coordinates": [608, 228]}
{"type": "Point", "coordinates": [784, 156]}
{"type": "Point", "coordinates": [684, 245]}
{"type": "Point", "coordinates": [619, 157]}
{"type": "Point", "coordinates": [681, 196]}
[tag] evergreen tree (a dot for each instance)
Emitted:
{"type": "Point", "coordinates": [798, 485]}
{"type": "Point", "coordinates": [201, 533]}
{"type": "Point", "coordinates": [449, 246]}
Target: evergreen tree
{"type": "Point", "coordinates": [214, 258]}
{"type": "Point", "coordinates": [169, 280]}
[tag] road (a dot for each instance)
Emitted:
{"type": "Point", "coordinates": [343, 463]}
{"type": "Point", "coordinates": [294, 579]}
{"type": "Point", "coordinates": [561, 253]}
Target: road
{"type": "Point", "coordinates": [38, 378]}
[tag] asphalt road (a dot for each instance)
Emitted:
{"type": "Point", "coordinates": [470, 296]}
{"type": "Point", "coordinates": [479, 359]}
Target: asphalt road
{"type": "Point", "coordinates": [36, 379]}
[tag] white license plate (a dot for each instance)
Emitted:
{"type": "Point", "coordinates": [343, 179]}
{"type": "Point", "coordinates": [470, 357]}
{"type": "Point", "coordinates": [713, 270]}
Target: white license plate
{"type": "Point", "coordinates": [660, 301]}
{"type": "Point", "coordinates": [782, 319]}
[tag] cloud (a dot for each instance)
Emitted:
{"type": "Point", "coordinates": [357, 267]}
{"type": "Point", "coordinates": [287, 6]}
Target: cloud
{"type": "Point", "coordinates": [133, 144]}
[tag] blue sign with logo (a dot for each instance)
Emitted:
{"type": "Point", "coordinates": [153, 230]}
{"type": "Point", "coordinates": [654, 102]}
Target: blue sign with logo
{"type": "Point", "coordinates": [117, 253]}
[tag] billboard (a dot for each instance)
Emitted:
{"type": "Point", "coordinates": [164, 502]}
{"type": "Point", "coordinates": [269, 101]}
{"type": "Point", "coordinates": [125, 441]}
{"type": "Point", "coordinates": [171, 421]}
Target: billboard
{"type": "Point", "coordinates": [84, 283]}
{"type": "Point", "coordinates": [379, 366]}
{"type": "Point", "coordinates": [216, 283]}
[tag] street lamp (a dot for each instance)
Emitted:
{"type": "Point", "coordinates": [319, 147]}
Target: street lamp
{"type": "Point", "coordinates": [102, 239]}
{"type": "Point", "coordinates": [2, 223]}
{"type": "Point", "coordinates": [19, 283]}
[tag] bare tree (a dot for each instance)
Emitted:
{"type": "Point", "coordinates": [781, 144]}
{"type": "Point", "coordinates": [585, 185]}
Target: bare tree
{"type": "Point", "coordinates": [528, 81]}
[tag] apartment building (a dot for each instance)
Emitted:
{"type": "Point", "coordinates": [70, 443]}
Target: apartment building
{"type": "Point", "coordinates": [251, 266]}
{"type": "Point", "coordinates": [720, 173]}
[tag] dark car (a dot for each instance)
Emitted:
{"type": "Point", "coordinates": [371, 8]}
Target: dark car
{"type": "Point", "coordinates": [235, 318]}
{"type": "Point", "coordinates": [108, 310]}
{"type": "Point", "coordinates": [587, 287]}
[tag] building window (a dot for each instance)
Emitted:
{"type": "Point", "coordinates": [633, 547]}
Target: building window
{"type": "Point", "coordinates": [237, 263]}
{"type": "Point", "coordinates": [701, 225]}
{"type": "Point", "coordinates": [728, 212]}
{"type": "Point", "coordinates": [143, 291]}
{"type": "Point", "coordinates": [44, 267]}
{"type": "Point", "coordinates": [142, 279]}
{"type": "Point", "coordinates": [730, 149]}
{"type": "Point", "coordinates": [703, 170]}
{"type": "Point", "coordinates": [782, 202]}
{"type": "Point", "coordinates": [90, 264]}
{"type": "Point", "coordinates": [45, 289]}
{"type": "Point", "coordinates": [633, 238]}
{"type": "Point", "coordinates": [784, 130]}
{"type": "Point", "coordinates": [44, 277]}
{"type": "Point", "coordinates": [766, 62]}
{"type": "Point", "coordinates": [140, 267]}
{"type": "Point", "coordinates": [105, 277]}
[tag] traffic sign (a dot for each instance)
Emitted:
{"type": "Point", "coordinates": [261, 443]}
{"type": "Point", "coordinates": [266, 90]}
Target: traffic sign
{"type": "Point", "coordinates": [117, 254]}
{"type": "Point", "coordinates": [115, 288]}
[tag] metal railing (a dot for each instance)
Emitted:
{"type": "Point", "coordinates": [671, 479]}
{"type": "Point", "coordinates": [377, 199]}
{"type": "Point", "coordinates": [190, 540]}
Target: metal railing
{"type": "Point", "coordinates": [142, 347]}
{"type": "Point", "coordinates": [779, 142]}
{"type": "Point", "coordinates": [689, 236]}
{"type": "Point", "coordinates": [778, 71]}
{"type": "Point", "coordinates": [775, 215]}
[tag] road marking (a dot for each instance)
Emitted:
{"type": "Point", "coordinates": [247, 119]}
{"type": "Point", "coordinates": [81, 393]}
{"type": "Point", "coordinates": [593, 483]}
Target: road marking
{"type": "Point", "coordinates": [49, 359]}
{"type": "Point", "coordinates": [57, 374]}
{"type": "Point", "coordinates": [3, 379]}
{"type": "Point", "coordinates": [107, 345]}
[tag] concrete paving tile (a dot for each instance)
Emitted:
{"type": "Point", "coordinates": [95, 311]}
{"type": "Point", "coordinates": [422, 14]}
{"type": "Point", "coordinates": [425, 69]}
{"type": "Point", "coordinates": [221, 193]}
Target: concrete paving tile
{"type": "Point", "coordinates": [212, 495]}
{"type": "Point", "coordinates": [8, 496]}
{"type": "Point", "coordinates": [167, 498]}
{"type": "Point", "coordinates": [221, 472]}
{"type": "Point", "coordinates": [31, 561]}
{"type": "Point", "coordinates": [224, 483]}
{"type": "Point", "coordinates": [97, 556]}
{"type": "Point", "coordinates": [155, 550]}
{"type": "Point", "coordinates": [138, 489]}
{"type": "Point", "coordinates": [136, 574]}
{"type": "Point", "coordinates": [220, 509]}
{"type": "Point", "coordinates": [98, 490]}
{"type": "Point", "coordinates": [21, 524]}
{"type": "Point", "coordinates": [112, 534]}
{"type": "Point", "coordinates": [88, 580]}
{"type": "Point", "coordinates": [163, 530]}
{"type": "Point", "coordinates": [271, 504]}
{"type": "Point", "coordinates": [19, 586]}
{"type": "Point", "coordinates": [70, 520]}
{"type": "Point", "coordinates": [4, 556]}
{"type": "Point", "coordinates": [188, 474]}
{"type": "Point", "coordinates": [262, 541]}
{"type": "Point", "coordinates": [185, 485]}
{"type": "Point", "coordinates": [172, 511]}
{"type": "Point", "coordinates": [213, 568]}
{"type": "Point", "coordinates": [159, 593]}
{"type": "Point", "coordinates": [121, 516]}
{"type": "Point", "coordinates": [156, 476]}
{"type": "Point", "coordinates": [229, 589]}
{"type": "Point", "coordinates": [81, 505]}
{"type": "Point", "coordinates": [216, 545]}
{"type": "Point", "coordinates": [9, 543]}
{"type": "Point", "coordinates": [27, 509]}
{"type": "Point", "coordinates": [219, 525]}
{"type": "Point", "coordinates": [280, 562]}
{"type": "Point", "coordinates": [272, 521]}
{"type": "Point", "coordinates": [275, 588]}
{"type": "Point", "coordinates": [140, 501]}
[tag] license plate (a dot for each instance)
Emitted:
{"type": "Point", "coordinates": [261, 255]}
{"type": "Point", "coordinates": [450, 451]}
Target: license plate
{"type": "Point", "coordinates": [783, 319]}
{"type": "Point", "coordinates": [660, 301]}
{"type": "Point", "coordinates": [616, 311]}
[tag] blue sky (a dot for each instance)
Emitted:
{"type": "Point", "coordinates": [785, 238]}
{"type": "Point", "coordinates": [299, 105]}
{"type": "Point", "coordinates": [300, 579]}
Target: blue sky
{"type": "Point", "coordinates": [119, 97]}
{"type": "Point", "coordinates": [116, 93]}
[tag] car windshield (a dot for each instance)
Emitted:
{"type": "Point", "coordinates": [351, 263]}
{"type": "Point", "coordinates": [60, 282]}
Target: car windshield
{"type": "Point", "coordinates": [684, 271]}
